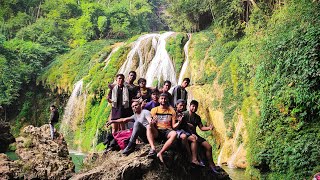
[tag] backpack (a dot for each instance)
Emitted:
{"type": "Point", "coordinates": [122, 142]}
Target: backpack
{"type": "Point", "coordinates": [122, 137]}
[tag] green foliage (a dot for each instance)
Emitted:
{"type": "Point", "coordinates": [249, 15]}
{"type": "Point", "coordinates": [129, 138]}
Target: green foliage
{"type": "Point", "coordinates": [71, 67]}
{"type": "Point", "coordinates": [174, 47]}
{"type": "Point", "coordinates": [290, 94]}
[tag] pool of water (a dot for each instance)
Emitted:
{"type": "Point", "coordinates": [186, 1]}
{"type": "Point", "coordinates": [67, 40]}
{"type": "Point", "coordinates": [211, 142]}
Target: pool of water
{"type": "Point", "coordinates": [77, 159]}
{"type": "Point", "coordinates": [12, 155]}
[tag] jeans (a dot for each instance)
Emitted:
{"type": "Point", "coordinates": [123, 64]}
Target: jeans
{"type": "Point", "coordinates": [51, 130]}
{"type": "Point", "coordinates": [139, 130]}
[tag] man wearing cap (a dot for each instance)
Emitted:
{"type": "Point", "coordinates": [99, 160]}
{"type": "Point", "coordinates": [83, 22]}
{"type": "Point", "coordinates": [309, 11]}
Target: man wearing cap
{"type": "Point", "coordinates": [160, 127]}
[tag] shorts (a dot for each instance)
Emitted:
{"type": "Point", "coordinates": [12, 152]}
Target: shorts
{"type": "Point", "coordinates": [163, 134]}
{"type": "Point", "coordinates": [200, 139]}
{"type": "Point", "coordinates": [181, 131]}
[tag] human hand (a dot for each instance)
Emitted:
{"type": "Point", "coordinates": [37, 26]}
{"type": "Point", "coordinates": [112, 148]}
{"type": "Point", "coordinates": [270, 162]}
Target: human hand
{"type": "Point", "coordinates": [211, 127]}
{"type": "Point", "coordinates": [108, 123]}
{"type": "Point", "coordinates": [195, 136]}
{"type": "Point", "coordinates": [154, 120]}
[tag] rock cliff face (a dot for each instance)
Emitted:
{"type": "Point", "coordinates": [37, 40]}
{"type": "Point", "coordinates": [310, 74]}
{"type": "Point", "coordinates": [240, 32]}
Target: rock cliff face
{"type": "Point", "coordinates": [137, 165]}
{"type": "Point", "coordinates": [5, 137]}
{"type": "Point", "coordinates": [39, 156]}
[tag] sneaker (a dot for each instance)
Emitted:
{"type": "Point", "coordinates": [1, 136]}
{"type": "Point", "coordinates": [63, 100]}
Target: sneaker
{"type": "Point", "coordinates": [152, 153]}
{"type": "Point", "coordinates": [215, 170]}
{"type": "Point", "coordinates": [129, 149]}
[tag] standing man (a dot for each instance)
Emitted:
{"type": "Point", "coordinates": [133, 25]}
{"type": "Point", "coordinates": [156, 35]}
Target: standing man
{"type": "Point", "coordinates": [119, 98]}
{"type": "Point", "coordinates": [180, 92]}
{"type": "Point", "coordinates": [54, 117]}
{"type": "Point", "coordinates": [163, 117]}
{"type": "Point", "coordinates": [132, 88]}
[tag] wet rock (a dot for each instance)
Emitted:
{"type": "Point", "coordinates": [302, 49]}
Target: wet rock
{"type": "Point", "coordinates": [137, 165]}
{"type": "Point", "coordinates": [6, 137]}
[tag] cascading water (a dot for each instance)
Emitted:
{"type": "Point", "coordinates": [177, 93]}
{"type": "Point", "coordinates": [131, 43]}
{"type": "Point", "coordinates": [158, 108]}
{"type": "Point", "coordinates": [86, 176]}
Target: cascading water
{"type": "Point", "coordinates": [161, 66]}
{"type": "Point", "coordinates": [153, 68]}
{"type": "Point", "coordinates": [186, 62]}
{"type": "Point", "coordinates": [74, 110]}
{"type": "Point", "coordinates": [137, 49]}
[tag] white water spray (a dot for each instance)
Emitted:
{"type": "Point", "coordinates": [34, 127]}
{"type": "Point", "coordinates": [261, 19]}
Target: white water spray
{"type": "Point", "coordinates": [186, 62]}
{"type": "Point", "coordinates": [161, 66]}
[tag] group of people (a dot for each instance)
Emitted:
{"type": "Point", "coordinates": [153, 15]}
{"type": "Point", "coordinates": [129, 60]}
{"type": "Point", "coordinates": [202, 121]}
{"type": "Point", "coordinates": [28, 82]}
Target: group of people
{"type": "Point", "coordinates": [158, 115]}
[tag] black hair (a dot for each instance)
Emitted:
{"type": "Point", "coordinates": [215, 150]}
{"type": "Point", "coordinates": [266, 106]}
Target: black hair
{"type": "Point", "coordinates": [186, 79]}
{"type": "Point", "coordinates": [142, 80]}
{"type": "Point", "coordinates": [52, 105]}
{"type": "Point", "coordinates": [194, 102]}
{"type": "Point", "coordinates": [155, 91]}
{"type": "Point", "coordinates": [120, 75]}
{"type": "Point", "coordinates": [133, 72]}
{"type": "Point", "coordinates": [167, 81]}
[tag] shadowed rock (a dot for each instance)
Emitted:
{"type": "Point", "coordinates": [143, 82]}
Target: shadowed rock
{"type": "Point", "coordinates": [137, 165]}
{"type": "Point", "coordinates": [6, 137]}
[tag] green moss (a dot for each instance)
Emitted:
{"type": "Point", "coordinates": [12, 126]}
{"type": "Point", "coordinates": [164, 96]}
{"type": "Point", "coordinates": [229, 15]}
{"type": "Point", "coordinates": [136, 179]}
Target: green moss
{"type": "Point", "coordinates": [174, 47]}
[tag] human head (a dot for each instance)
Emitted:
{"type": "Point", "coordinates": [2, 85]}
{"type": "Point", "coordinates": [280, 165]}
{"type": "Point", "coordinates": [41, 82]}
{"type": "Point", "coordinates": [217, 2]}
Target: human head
{"type": "Point", "coordinates": [163, 99]}
{"type": "Point", "coordinates": [155, 95]}
{"type": "Point", "coordinates": [180, 105]}
{"type": "Point", "coordinates": [120, 79]}
{"type": "Point", "coordinates": [193, 106]}
{"type": "Point", "coordinates": [52, 107]}
{"type": "Point", "coordinates": [132, 76]}
{"type": "Point", "coordinates": [185, 83]}
{"type": "Point", "coordinates": [142, 82]}
{"type": "Point", "coordinates": [166, 86]}
{"type": "Point", "coordinates": [136, 106]}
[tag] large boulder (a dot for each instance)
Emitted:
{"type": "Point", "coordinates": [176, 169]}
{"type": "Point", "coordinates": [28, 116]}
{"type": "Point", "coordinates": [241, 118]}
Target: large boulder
{"type": "Point", "coordinates": [6, 137]}
{"type": "Point", "coordinates": [137, 165]}
{"type": "Point", "coordinates": [43, 158]}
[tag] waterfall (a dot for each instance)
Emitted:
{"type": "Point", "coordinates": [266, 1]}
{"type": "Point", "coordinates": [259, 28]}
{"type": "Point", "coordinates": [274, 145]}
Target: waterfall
{"type": "Point", "coordinates": [74, 109]}
{"type": "Point", "coordinates": [161, 66]}
{"type": "Point", "coordinates": [233, 157]}
{"type": "Point", "coordinates": [186, 62]}
{"type": "Point", "coordinates": [153, 68]}
{"type": "Point", "coordinates": [137, 50]}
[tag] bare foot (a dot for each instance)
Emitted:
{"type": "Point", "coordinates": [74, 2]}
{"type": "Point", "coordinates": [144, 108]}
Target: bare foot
{"type": "Point", "coordinates": [159, 155]}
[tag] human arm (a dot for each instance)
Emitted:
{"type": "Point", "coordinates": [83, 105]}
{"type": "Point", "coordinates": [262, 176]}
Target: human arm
{"type": "Point", "coordinates": [121, 120]}
{"type": "Point", "coordinates": [177, 123]}
{"type": "Point", "coordinates": [204, 128]}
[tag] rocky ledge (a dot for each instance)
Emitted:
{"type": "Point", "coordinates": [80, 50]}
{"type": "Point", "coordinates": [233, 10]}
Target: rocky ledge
{"type": "Point", "coordinates": [39, 156]}
{"type": "Point", "coordinates": [137, 165]}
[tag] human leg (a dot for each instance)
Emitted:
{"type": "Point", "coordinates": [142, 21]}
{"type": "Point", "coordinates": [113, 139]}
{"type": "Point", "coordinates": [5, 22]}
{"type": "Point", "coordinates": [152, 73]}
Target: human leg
{"type": "Point", "coordinates": [51, 130]}
{"type": "Point", "coordinates": [208, 148]}
{"type": "Point", "coordinates": [172, 135]}
{"type": "Point", "coordinates": [152, 133]}
{"type": "Point", "coordinates": [138, 130]}
{"type": "Point", "coordinates": [184, 140]}
{"type": "Point", "coordinates": [194, 149]}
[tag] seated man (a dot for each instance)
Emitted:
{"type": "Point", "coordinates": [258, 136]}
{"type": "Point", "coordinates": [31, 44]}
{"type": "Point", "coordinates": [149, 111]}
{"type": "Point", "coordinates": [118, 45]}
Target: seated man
{"type": "Point", "coordinates": [163, 117]}
{"type": "Point", "coordinates": [184, 133]}
{"type": "Point", "coordinates": [141, 118]}
{"type": "Point", "coordinates": [194, 120]}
